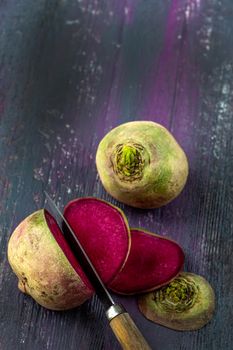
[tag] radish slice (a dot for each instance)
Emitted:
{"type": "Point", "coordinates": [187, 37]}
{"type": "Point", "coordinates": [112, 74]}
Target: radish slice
{"type": "Point", "coordinates": [103, 231]}
{"type": "Point", "coordinates": [152, 262]}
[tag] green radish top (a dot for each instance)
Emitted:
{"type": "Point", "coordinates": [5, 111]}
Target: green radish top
{"type": "Point", "coordinates": [179, 295]}
{"type": "Point", "coordinates": [128, 161]}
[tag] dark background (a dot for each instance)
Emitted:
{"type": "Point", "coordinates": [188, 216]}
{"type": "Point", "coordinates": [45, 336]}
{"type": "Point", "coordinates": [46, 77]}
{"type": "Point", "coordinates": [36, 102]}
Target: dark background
{"type": "Point", "coordinates": [69, 72]}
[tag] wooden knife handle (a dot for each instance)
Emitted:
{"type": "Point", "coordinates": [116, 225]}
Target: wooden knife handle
{"type": "Point", "coordinates": [127, 332]}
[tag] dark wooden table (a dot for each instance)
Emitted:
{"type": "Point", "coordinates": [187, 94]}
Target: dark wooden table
{"type": "Point", "coordinates": [69, 72]}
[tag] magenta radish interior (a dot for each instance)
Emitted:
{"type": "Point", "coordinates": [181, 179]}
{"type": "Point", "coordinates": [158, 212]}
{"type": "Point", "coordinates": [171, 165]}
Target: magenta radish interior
{"type": "Point", "coordinates": [152, 262]}
{"type": "Point", "coordinates": [58, 235]}
{"type": "Point", "coordinates": [103, 231]}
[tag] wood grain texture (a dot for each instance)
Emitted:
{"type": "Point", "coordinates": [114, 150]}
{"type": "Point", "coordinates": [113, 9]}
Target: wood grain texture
{"type": "Point", "coordinates": [69, 72]}
{"type": "Point", "coordinates": [127, 333]}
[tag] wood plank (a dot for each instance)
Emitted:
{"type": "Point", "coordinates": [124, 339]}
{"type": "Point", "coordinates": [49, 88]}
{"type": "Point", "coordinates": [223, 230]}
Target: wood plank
{"type": "Point", "coordinates": [69, 72]}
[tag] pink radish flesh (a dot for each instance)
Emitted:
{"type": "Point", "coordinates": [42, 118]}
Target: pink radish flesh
{"type": "Point", "coordinates": [152, 262]}
{"type": "Point", "coordinates": [103, 231]}
{"type": "Point", "coordinates": [58, 235]}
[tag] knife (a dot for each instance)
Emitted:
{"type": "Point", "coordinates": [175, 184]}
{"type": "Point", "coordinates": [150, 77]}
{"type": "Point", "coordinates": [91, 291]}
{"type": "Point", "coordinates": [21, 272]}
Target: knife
{"type": "Point", "coordinates": [124, 328]}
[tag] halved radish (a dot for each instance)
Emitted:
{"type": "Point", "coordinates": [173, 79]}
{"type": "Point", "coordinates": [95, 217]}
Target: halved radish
{"type": "Point", "coordinates": [153, 261]}
{"type": "Point", "coordinates": [44, 263]}
{"type": "Point", "coordinates": [42, 268]}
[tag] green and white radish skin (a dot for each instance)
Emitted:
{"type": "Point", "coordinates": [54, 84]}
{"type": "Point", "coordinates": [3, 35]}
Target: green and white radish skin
{"type": "Point", "coordinates": [141, 164]}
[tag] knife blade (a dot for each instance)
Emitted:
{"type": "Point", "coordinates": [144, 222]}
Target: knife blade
{"type": "Point", "coordinates": [121, 323]}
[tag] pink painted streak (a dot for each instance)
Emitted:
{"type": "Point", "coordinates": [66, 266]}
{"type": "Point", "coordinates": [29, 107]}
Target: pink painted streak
{"type": "Point", "coordinates": [166, 76]}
